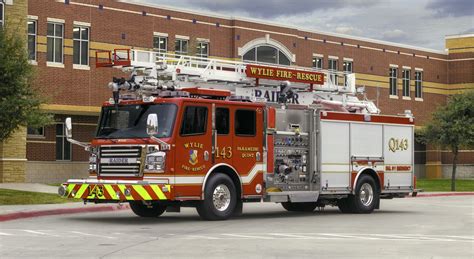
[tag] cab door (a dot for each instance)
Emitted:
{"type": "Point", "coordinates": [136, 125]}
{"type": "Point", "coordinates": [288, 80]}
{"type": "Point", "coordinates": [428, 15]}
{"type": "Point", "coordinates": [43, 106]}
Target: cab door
{"type": "Point", "coordinates": [223, 123]}
{"type": "Point", "coordinates": [248, 147]}
{"type": "Point", "coordinates": [193, 148]}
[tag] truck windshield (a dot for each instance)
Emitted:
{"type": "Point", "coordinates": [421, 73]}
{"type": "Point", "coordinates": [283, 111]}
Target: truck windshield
{"type": "Point", "coordinates": [129, 121]}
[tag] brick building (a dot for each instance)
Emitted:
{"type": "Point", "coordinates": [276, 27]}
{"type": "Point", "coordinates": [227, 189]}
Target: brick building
{"type": "Point", "coordinates": [63, 36]}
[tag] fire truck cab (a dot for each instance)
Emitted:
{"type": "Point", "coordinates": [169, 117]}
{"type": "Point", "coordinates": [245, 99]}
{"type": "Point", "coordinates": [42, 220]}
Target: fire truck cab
{"type": "Point", "coordinates": [164, 145]}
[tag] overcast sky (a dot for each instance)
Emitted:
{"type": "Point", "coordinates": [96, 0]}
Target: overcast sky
{"type": "Point", "coordinates": [422, 23]}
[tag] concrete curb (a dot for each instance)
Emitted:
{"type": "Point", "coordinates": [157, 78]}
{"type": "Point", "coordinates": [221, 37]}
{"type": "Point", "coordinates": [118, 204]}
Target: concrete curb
{"type": "Point", "coordinates": [40, 213]}
{"type": "Point", "coordinates": [443, 194]}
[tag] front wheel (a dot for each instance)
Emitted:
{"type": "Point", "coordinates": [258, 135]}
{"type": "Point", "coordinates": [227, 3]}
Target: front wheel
{"type": "Point", "coordinates": [300, 206]}
{"type": "Point", "coordinates": [149, 211]}
{"type": "Point", "coordinates": [220, 198]}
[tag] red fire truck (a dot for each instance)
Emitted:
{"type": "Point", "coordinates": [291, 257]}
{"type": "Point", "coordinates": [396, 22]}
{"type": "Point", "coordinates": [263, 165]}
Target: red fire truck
{"type": "Point", "coordinates": [213, 134]}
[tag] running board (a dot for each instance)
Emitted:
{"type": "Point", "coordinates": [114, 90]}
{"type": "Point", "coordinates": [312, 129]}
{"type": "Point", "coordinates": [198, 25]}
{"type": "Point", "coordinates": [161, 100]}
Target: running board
{"type": "Point", "coordinates": [297, 196]}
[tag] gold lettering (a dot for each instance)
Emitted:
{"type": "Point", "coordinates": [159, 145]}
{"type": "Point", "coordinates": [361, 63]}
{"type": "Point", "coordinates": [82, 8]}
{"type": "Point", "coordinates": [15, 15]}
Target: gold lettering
{"type": "Point", "coordinates": [253, 70]}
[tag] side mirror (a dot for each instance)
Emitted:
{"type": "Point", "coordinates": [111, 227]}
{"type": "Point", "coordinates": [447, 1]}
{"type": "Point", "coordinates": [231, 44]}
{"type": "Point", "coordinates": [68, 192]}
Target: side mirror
{"type": "Point", "coordinates": [152, 124]}
{"type": "Point", "coordinates": [68, 124]}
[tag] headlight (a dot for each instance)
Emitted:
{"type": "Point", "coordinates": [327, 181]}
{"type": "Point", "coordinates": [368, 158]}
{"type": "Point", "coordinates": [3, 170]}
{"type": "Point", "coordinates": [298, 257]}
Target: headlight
{"type": "Point", "coordinates": [155, 161]}
{"type": "Point", "coordinates": [92, 159]}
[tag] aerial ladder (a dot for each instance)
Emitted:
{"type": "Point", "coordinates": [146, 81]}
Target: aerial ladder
{"type": "Point", "coordinates": [155, 72]}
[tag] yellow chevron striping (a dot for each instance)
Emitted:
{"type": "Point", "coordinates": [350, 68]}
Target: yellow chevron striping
{"type": "Point", "coordinates": [81, 191]}
{"type": "Point", "coordinates": [69, 188]}
{"type": "Point", "coordinates": [158, 192]}
{"type": "Point", "coordinates": [110, 191]}
{"type": "Point", "coordinates": [140, 190]}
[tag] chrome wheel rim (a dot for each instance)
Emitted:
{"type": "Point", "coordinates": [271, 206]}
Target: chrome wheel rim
{"type": "Point", "coordinates": [221, 197]}
{"type": "Point", "coordinates": [366, 194]}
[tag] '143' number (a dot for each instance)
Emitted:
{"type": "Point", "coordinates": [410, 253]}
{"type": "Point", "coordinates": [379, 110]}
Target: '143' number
{"type": "Point", "coordinates": [398, 144]}
{"type": "Point", "coordinates": [224, 152]}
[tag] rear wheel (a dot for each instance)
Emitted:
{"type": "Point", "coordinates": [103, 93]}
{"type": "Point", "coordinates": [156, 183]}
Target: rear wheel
{"type": "Point", "coordinates": [364, 200]}
{"type": "Point", "coordinates": [149, 211]}
{"type": "Point", "coordinates": [344, 205]}
{"type": "Point", "coordinates": [299, 206]}
{"type": "Point", "coordinates": [220, 198]}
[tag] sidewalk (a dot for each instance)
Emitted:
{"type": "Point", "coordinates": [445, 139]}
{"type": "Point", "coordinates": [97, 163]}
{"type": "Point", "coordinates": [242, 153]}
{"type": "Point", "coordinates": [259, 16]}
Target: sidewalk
{"type": "Point", "coordinates": [30, 187]}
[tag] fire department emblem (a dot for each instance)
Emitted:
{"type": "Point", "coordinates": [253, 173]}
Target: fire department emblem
{"type": "Point", "coordinates": [193, 156]}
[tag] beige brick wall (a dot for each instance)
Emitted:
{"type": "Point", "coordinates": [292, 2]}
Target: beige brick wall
{"type": "Point", "coordinates": [13, 157]}
{"type": "Point", "coordinates": [55, 171]}
{"type": "Point", "coordinates": [13, 150]}
{"type": "Point", "coordinates": [16, 14]}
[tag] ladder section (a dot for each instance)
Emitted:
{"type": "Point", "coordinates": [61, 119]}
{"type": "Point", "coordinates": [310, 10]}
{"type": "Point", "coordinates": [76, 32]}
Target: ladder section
{"type": "Point", "coordinates": [194, 68]}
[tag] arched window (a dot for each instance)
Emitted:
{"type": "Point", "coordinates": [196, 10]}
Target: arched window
{"type": "Point", "coordinates": [266, 54]}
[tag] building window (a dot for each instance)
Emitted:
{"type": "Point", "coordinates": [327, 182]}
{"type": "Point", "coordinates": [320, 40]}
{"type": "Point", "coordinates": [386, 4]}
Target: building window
{"type": "Point", "coordinates": [63, 147]}
{"type": "Point", "coordinates": [32, 32]}
{"type": "Point", "coordinates": [348, 69]}
{"type": "Point", "coordinates": [181, 47]}
{"type": "Point", "coordinates": [332, 67]}
{"type": "Point", "coordinates": [2, 14]}
{"type": "Point", "coordinates": [418, 84]}
{"type": "Point", "coordinates": [245, 123]}
{"type": "Point", "coordinates": [267, 54]}
{"type": "Point", "coordinates": [55, 35]}
{"type": "Point", "coordinates": [35, 132]}
{"type": "Point", "coordinates": [202, 49]}
{"type": "Point", "coordinates": [194, 120]}
{"type": "Point", "coordinates": [318, 62]}
{"type": "Point", "coordinates": [160, 44]}
{"type": "Point", "coordinates": [406, 82]}
{"type": "Point", "coordinates": [393, 80]}
{"type": "Point", "coordinates": [80, 37]}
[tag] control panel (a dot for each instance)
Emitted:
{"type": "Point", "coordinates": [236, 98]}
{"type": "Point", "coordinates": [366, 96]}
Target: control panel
{"type": "Point", "coordinates": [291, 155]}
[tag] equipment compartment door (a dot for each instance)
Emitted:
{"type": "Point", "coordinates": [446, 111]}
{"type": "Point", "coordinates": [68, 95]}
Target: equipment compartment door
{"type": "Point", "coordinates": [335, 158]}
{"type": "Point", "coordinates": [398, 152]}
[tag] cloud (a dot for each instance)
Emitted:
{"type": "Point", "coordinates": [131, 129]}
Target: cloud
{"type": "Point", "coordinates": [468, 31]}
{"type": "Point", "coordinates": [267, 8]}
{"type": "Point", "coordinates": [396, 35]}
{"type": "Point", "coordinates": [456, 8]}
{"type": "Point", "coordinates": [347, 30]}
{"type": "Point", "coordinates": [422, 23]}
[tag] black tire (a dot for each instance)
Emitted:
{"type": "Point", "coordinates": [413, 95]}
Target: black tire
{"type": "Point", "coordinates": [151, 211]}
{"type": "Point", "coordinates": [344, 205]}
{"type": "Point", "coordinates": [299, 206]}
{"type": "Point", "coordinates": [365, 198]}
{"type": "Point", "coordinates": [207, 208]}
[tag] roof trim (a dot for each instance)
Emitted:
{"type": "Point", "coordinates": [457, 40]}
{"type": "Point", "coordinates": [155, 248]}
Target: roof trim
{"type": "Point", "coordinates": [253, 20]}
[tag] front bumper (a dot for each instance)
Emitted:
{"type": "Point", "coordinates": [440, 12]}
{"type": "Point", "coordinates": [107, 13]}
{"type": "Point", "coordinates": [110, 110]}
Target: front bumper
{"type": "Point", "coordinates": [115, 190]}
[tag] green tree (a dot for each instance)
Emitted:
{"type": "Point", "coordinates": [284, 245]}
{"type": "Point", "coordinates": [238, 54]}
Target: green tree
{"type": "Point", "coordinates": [452, 127]}
{"type": "Point", "coordinates": [19, 101]}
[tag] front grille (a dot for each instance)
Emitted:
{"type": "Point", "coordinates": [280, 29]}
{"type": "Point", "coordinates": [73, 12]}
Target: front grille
{"type": "Point", "coordinates": [120, 161]}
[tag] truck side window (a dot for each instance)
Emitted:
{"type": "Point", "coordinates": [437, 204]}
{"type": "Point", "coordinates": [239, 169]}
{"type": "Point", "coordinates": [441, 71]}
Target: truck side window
{"type": "Point", "coordinates": [245, 122]}
{"type": "Point", "coordinates": [222, 121]}
{"type": "Point", "coordinates": [194, 120]}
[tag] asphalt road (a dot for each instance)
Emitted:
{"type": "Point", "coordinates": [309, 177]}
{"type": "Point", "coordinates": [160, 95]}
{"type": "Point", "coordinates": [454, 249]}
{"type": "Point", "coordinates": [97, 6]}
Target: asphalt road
{"type": "Point", "coordinates": [412, 227]}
